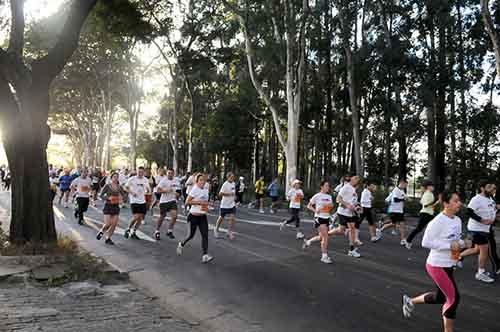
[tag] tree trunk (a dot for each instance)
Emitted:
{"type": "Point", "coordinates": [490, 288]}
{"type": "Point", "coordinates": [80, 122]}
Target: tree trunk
{"type": "Point", "coordinates": [353, 100]}
{"type": "Point", "coordinates": [492, 32]}
{"type": "Point", "coordinates": [32, 218]}
{"type": "Point", "coordinates": [133, 139]}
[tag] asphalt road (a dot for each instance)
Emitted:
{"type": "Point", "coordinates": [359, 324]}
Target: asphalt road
{"type": "Point", "coordinates": [265, 276]}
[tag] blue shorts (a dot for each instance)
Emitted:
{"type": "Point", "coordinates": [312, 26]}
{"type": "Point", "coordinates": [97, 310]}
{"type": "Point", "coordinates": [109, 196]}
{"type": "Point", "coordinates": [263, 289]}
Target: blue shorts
{"type": "Point", "coordinates": [226, 212]}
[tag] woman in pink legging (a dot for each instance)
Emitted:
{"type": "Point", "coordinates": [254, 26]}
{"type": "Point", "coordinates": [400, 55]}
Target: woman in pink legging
{"type": "Point", "coordinates": [443, 238]}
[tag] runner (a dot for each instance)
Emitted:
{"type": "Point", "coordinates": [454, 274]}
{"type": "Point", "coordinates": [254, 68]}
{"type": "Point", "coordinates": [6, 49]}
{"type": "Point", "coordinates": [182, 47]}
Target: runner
{"type": "Point", "coordinates": [443, 238]}
{"type": "Point", "coordinates": [348, 212]}
{"type": "Point", "coordinates": [197, 218]}
{"type": "Point", "coordinates": [149, 196]}
{"type": "Point", "coordinates": [396, 211]}
{"type": "Point", "coordinates": [81, 186]}
{"type": "Point", "coordinates": [96, 179]}
{"type": "Point", "coordinates": [137, 187]}
{"type": "Point", "coordinates": [167, 188]}
{"type": "Point", "coordinates": [214, 185]}
{"type": "Point", "coordinates": [112, 194]}
{"type": "Point", "coordinates": [368, 212]}
{"type": "Point", "coordinates": [53, 182]}
{"type": "Point", "coordinates": [157, 195]}
{"type": "Point", "coordinates": [227, 206]}
{"type": "Point", "coordinates": [259, 195]}
{"type": "Point", "coordinates": [240, 191]}
{"type": "Point", "coordinates": [295, 195]}
{"type": "Point", "coordinates": [345, 179]}
{"type": "Point", "coordinates": [322, 205]}
{"type": "Point", "coordinates": [65, 187]}
{"type": "Point", "coordinates": [495, 260]}
{"type": "Point", "coordinates": [273, 190]}
{"type": "Point", "coordinates": [428, 202]}
{"type": "Point", "coordinates": [482, 213]}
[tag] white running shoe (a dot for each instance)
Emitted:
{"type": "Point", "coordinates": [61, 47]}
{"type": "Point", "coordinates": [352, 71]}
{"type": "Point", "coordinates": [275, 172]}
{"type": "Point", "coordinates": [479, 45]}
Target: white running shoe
{"type": "Point", "coordinates": [206, 258]}
{"type": "Point", "coordinates": [326, 260]}
{"type": "Point", "coordinates": [300, 235]}
{"type": "Point", "coordinates": [354, 253]}
{"type": "Point", "coordinates": [306, 244]}
{"type": "Point", "coordinates": [358, 243]}
{"type": "Point", "coordinates": [408, 245]}
{"type": "Point", "coordinates": [378, 233]}
{"type": "Point", "coordinates": [482, 276]}
{"type": "Point", "coordinates": [230, 235]}
{"type": "Point", "coordinates": [403, 243]}
{"type": "Point", "coordinates": [272, 211]}
{"type": "Point", "coordinates": [216, 233]}
{"type": "Point", "coordinates": [394, 232]}
{"type": "Point", "coordinates": [179, 249]}
{"type": "Point", "coordinates": [262, 211]}
{"type": "Point", "coordinates": [408, 306]}
{"type": "Point", "coordinates": [283, 225]}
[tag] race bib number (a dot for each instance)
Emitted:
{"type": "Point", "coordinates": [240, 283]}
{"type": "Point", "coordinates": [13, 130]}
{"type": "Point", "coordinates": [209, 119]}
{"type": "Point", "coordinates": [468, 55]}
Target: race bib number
{"type": "Point", "coordinates": [297, 199]}
{"type": "Point", "coordinates": [204, 207]}
{"type": "Point", "coordinates": [84, 189]}
{"type": "Point", "coordinates": [114, 200]}
{"type": "Point", "coordinates": [326, 209]}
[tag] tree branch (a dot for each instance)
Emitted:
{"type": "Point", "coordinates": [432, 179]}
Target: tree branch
{"type": "Point", "coordinates": [48, 67]}
{"type": "Point", "coordinates": [492, 32]}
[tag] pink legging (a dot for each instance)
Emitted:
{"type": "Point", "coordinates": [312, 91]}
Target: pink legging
{"type": "Point", "coordinates": [446, 293]}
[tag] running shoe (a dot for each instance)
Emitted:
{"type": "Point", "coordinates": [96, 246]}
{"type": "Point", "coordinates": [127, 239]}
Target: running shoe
{"type": "Point", "coordinates": [262, 211]}
{"type": "Point", "coordinates": [179, 249]}
{"type": "Point", "coordinates": [230, 235]}
{"type": "Point", "coordinates": [326, 260]}
{"type": "Point", "coordinates": [157, 236]}
{"type": "Point", "coordinates": [403, 243]}
{"type": "Point", "coordinates": [394, 232]}
{"type": "Point", "coordinates": [498, 271]}
{"type": "Point", "coordinates": [171, 235]}
{"type": "Point", "coordinates": [482, 276]}
{"type": "Point", "coordinates": [109, 242]}
{"type": "Point", "coordinates": [408, 245]}
{"type": "Point", "coordinates": [99, 235]}
{"type": "Point", "coordinates": [354, 253]}
{"type": "Point", "coordinates": [378, 233]}
{"type": "Point", "coordinates": [306, 244]}
{"type": "Point", "coordinates": [300, 235]}
{"type": "Point", "coordinates": [283, 225]}
{"type": "Point", "coordinates": [127, 234]}
{"type": "Point", "coordinates": [408, 306]}
{"type": "Point", "coordinates": [216, 233]}
{"type": "Point", "coordinates": [358, 243]}
{"type": "Point", "coordinates": [375, 238]}
{"type": "Point", "coordinates": [134, 236]}
{"type": "Point", "coordinates": [206, 258]}
{"type": "Point", "coordinates": [272, 211]}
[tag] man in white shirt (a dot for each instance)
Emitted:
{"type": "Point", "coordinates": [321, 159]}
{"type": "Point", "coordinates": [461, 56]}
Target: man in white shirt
{"type": "Point", "coordinates": [482, 213]}
{"type": "Point", "coordinates": [167, 188]}
{"type": "Point", "coordinates": [137, 187]}
{"type": "Point", "coordinates": [396, 211]}
{"type": "Point", "coordinates": [227, 206]}
{"type": "Point", "coordinates": [348, 212]}
{"type": "Point", "coordinates": [82, 186]}
{"type": "Point", "coordinates": [368, 212]}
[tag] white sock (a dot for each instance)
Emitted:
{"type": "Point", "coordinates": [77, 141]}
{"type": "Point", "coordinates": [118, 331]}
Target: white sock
{"type": "Point", "coordinates": [324, 255]}
{"type": "Point", "coordinates": [480, 270]}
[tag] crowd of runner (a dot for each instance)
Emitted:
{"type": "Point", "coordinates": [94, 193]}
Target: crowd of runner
{"type": "Point", "coordinates": [337, 213]}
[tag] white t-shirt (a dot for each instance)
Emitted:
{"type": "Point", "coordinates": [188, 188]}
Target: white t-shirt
{"type": "Point", "coordinates": [366, 198]}
{"type": "Point", "coordinates": [199, 194]}
{"type": "Point", "coordinates": [167, 184]}
{"type": "Point", "coordinates": [485, 208]}
{"type": "Point", "coordinates": [338, 187]}
{"type": "Point", "coordinates": [122, 179]}
{"type": "Point", "coordinates": [348, 195]}
{"type": "Point", "coordinates": [227, 202]}
{"type": "Point", "coordinates": [158, 179]}
{"type": "Point", "coordinates": [438, 235]}
{"type": "Point", "coordinates": [397, 207]}
{"type": "Point", "coordinates": [83, 186]}
{"type": "Point", "coordinates": [323, 204]}
{"type": "Point", "coordinates": [295, 196]}
{"type": "Point", "coordinates": [138, 187]}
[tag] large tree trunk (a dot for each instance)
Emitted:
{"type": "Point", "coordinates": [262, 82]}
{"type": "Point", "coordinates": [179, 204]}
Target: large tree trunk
{"type": "Point", "coordinates": [492, 32]}
{"type": "Point", "coordinates": [31, 213]}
